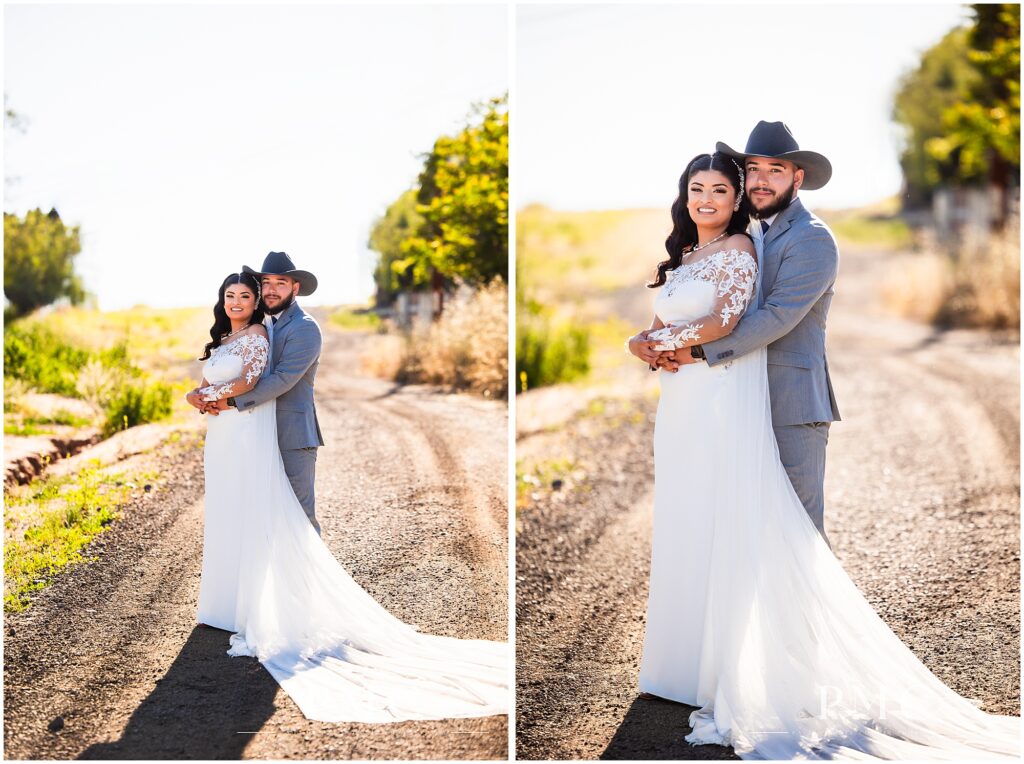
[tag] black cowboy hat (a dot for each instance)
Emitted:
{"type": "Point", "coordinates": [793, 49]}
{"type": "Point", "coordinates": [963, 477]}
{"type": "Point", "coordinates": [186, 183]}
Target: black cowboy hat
{"type": "Point", "coordinates": [279, 264]}
{"type": "Point", "coordinates": [774, 139]}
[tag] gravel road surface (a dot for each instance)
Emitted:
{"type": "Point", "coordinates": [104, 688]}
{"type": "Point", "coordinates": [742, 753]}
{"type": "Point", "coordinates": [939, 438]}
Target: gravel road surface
{"type": "Point", "coordinates": [922, 509]}
{"type": "Point", "coordinates": [108, 662]}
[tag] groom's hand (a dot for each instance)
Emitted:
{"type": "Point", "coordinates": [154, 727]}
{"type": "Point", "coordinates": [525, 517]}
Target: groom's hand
{"type": "Point", "coordinates": [215, 407]}
{"type": "Point", "coordinates": [678, 357]}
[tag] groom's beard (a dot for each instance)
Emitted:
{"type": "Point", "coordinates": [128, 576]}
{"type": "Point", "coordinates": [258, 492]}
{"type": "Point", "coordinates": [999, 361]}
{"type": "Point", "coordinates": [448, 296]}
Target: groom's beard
{"type": "Point", "coordinates": [281, 306]}
{"type": "Point", "coordinates": [777, 204]}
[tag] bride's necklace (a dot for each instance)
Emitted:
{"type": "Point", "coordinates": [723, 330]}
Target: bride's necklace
{"type": "Point", "coordinates": [236, 331]}
{"type": "Point", "coordinates": [699, 247]}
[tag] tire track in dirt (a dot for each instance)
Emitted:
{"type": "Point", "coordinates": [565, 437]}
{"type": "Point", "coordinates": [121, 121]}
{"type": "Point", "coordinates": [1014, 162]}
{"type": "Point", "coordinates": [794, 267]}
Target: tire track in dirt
{"type": "Point", "coordinates": [591, 651]}
{"type": "Point", "coordinates": [450, 489]}
{"type": "Point", "coordinates": [112, 645]}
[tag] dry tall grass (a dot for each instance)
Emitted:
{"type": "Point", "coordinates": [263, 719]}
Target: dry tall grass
{"type": "Point", "coordinates": [466, 349]}
{"type": "Point", "coordinates": [976, 285]}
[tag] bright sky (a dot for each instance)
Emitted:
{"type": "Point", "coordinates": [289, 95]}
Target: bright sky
{"type": "Point", "coordinates": [188, 140]}
{"type": "Point", "coordinates": [612, 101]}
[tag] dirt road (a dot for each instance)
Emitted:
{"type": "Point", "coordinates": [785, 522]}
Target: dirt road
{"type": "Point", "coordinates": [922, 508]}
{"type": "Point", "coordinates": [411, 495]}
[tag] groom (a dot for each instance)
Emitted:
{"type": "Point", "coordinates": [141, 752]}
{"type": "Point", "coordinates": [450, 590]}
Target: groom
{"type": "Point", "coordinates": [295, 343]}
{"type": "Point", "coordinates": [799, 263]}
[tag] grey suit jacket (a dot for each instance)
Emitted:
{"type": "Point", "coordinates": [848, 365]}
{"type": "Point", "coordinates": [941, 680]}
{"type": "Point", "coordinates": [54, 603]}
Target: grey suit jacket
{"type": "Point", "coordinates": [798, 272]}
{"type": "Point", "coordinates": [294, 359]}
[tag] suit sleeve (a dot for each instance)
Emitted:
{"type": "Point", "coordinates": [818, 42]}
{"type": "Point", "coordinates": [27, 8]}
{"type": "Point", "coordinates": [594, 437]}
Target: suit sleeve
{"type": "Point", "coordinates": [301, 349]}
{"type": "Point", "coordinates": [808, 268]}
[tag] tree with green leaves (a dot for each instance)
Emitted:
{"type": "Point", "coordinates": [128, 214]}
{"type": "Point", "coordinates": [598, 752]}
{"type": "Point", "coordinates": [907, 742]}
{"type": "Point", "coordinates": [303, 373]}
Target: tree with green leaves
{"type": "Point", "coordinates": [960, 108]}
{"type": "Point", "coordinates": [463, 200]}
{"type": "Point", "coordinates": [39, 253]}
{"type": "Point", "coordinates": [923, 96]}
{"type": "Point", "coordinates": [401, 221]}
{"type": "Point", "coordinates": [981, 130]}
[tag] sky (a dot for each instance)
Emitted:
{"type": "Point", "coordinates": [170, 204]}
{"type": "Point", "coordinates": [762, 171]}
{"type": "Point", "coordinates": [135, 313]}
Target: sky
{"type": "Point", "coordinates": [188, 140]}
{"type": "Point", "coordinates": [611, 102]}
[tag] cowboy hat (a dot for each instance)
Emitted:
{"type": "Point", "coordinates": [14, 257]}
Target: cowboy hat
{"type": "Point", "coordinates": [279, 264]}
{"type": "Point", "coordinates": [774, 139]}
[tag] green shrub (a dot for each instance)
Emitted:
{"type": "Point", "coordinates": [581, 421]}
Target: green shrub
{"type": "Point", "coordinates": [37, 357]}
{"type": "Point", "coordinates": [137, 402]}
{"type": "Point", "coordinates": [40, 358]}
{"type": "Point", "coordinates": [549, 352]}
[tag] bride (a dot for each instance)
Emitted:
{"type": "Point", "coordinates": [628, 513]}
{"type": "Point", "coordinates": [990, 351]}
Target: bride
{"type": "Point", "coordinates": [751, 618]}
{"type": "Point", "coordinates": [269, 578]}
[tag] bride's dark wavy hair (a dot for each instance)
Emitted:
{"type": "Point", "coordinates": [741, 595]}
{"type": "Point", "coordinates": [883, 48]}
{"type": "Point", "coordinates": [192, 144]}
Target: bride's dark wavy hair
{"type": "Point", "coordinates": [221, 322]}
{"type": "Point", "coordinates": [684, 230]}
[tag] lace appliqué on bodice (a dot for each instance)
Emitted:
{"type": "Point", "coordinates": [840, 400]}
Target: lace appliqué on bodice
{"type": "Point", "coordinates": [249, 354]}
{"type": "Point", "coordinates": [733, 274]}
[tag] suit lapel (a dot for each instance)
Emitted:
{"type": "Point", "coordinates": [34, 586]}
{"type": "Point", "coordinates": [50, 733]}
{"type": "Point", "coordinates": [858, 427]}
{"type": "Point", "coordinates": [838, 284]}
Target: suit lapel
{"type": "Point", "coordinates": [783, 222]}
{"type": "Point", "coordinates": [285, 319]}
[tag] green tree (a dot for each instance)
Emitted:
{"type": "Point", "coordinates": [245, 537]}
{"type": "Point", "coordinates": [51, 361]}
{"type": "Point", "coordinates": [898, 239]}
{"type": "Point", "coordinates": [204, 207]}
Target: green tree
{"type": "Point", "coordinates": [39, 254]}
{"type": "Point", "coordinates": [463, 199]}
{"type": "Point", "coordinates": [923, 96]}
{"type": "Point", "coordinates": [401, 221]}
{"type": "Point", "coordinates": [981, 130]}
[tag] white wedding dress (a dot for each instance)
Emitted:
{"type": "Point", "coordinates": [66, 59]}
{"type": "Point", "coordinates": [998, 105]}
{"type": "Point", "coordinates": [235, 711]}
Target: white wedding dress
{"type": "Point", "coordinates": [268, 577]}
{"type": "Point", "coordinates": [751, 618]}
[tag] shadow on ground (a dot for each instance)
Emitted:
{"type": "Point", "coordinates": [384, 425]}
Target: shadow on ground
{"type": "Point", "coordinates": [206, 706]}
{"type": "Point", "coordinates": [655, 729]}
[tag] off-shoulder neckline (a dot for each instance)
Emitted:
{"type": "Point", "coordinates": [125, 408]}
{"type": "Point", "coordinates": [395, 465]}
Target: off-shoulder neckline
{"type": "Point", "coordinates": [731, 250]}
{"type": "Point", "coordinates": [244, 337]}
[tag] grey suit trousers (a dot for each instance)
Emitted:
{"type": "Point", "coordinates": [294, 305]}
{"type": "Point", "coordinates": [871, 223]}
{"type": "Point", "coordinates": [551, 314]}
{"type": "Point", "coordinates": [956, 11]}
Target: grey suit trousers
{"type": "Point", "coordinates": [300, 466]}
{"type": "Point", "coordinates": [802, 451]}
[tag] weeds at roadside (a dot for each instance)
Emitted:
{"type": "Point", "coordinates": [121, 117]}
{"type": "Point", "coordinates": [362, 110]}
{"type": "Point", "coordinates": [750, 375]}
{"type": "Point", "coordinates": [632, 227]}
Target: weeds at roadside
{"type": "Point", "coordinates": [544, 478]}
{"type": "Point", "coordinates": [70, 511]}
{"type": "Point", "coordinates": [466, 349]}
{"type": "Point", "coordinates": [973, 284]}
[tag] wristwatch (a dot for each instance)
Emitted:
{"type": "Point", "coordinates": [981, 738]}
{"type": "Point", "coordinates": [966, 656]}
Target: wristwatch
{"type": "Point", "coordinates": [231, 403]}
{"type": "Point", "coordinates": [697, 352]}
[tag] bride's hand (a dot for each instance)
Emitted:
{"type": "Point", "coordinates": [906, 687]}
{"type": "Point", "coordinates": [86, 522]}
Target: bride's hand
{"type": "Point", "coordinates": [195, 398]}
{"type": "Point", "coordinates": [642, 348]}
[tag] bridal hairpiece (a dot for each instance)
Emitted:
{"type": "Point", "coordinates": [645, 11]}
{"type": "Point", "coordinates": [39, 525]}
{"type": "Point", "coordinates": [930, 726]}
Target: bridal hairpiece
{"type": "Point", "coordinates": [739, 171]}
{"type": "Point", "coordinates": [259, 292]}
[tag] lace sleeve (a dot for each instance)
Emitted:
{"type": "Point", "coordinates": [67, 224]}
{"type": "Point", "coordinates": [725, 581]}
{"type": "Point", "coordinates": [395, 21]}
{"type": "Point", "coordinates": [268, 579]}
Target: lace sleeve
{"type": "Point", "coordinates": [736, 274]}
{"type": "Point", "coordinates": [253, 351]}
